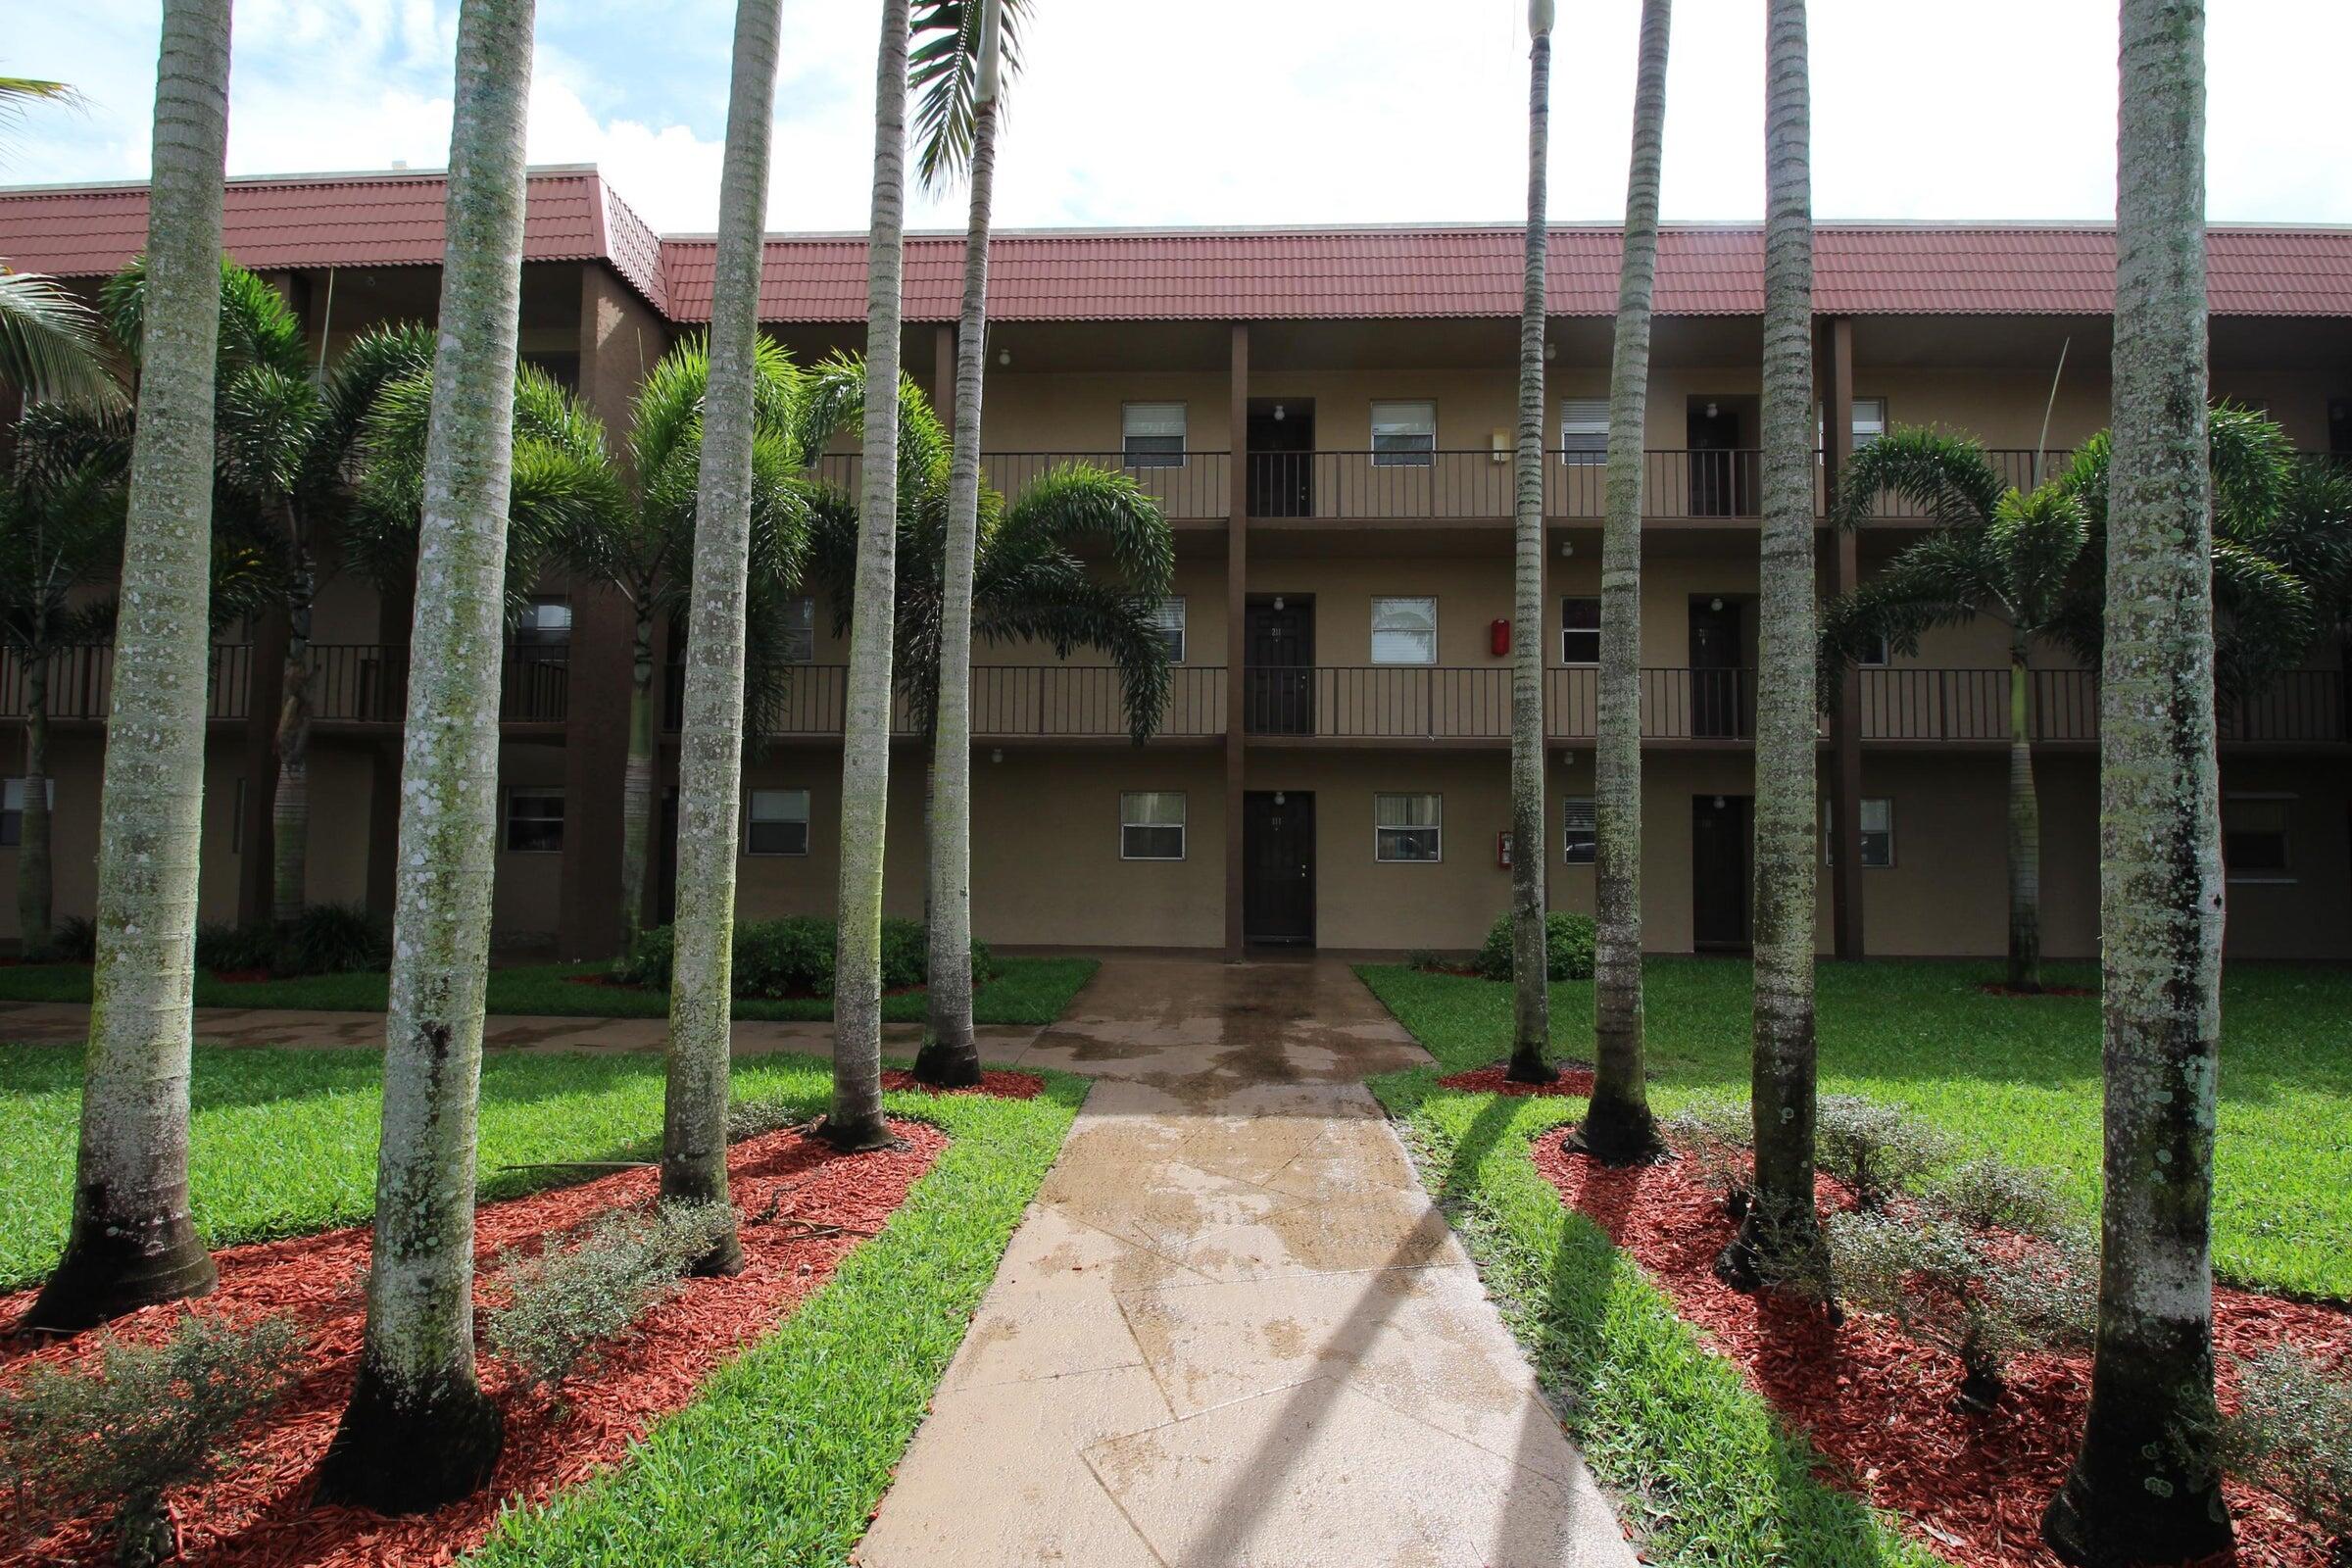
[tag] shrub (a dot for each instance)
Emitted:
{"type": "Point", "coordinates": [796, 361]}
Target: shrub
{"type": "Point", "coordinates": [1567, 947]}
{"type": "Point", "coordinates": [794, 958]}
{"type": "Point", "coordinates": [1875, 1150]}
{"type": "Point", "coordinates": [71, 941]}
{"type": "Point", "coordinates": [1716, 1138]}
{"type": "Point", "coordinates": [1991, 1195]}
{"type": "Point", "coordinates": [568, 1298]}
{"type": "Point", "coordinates": [756, 1117]}
{"type": "Point", "coordinates": [334, 939]}
{"type": "Point", "coordinates": [1947, 1287]}
{"type": "Point", "coordinates": [236, 948]}
{"type": "Point", "coordinates": [146, 1419]}
{"type": "Point", "coordinates": [2292, 1433]}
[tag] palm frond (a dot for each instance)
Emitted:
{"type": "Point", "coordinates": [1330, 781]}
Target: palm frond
{"type": "Point", "coordinates": [943, 70]}
{"type": "Point", "coordinates": [1947, 476]}
{"type": "Point", "coordinates": [1075, 507]}
{"type": "Point", "coordinates": [2262, 622]}
{"type": "Point", "coordinates": [2036, 541]}
{"type": "Point", "coordinates": [51, 346]}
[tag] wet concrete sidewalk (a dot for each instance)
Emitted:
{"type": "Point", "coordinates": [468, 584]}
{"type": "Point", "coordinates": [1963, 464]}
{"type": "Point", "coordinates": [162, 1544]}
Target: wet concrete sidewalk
{"type": "Point", "coordinates": [1232, 1331]}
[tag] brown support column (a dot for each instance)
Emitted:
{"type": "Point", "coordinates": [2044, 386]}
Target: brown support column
{"type": "Point", "coordinates": [1836, 370]}
{"type": "Point", "coordinates": [1236, 600]}
{"type": "Point", "coordinates": [943, 374]}
{"type": "Point", "coordinates": [394, 614]}
{"type": "Point", "coordinates": [596, 752]}
{"type": "Point", "coordinates": [266, 688]}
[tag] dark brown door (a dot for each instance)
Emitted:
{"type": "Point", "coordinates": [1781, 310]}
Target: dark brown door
{"type": "Point", "coordinates": [1720, 486]}
{"type": "Point", "coordinates": [1279, 639]}
{"type": "Point", "coordinates": [1278, 867]}
{"type": "Point", "coordinates": [1721, 847]}
{"type": "Point", "coordinates": [1281, 447]}
{"type": "Point", "coordinates": [1718, 685]}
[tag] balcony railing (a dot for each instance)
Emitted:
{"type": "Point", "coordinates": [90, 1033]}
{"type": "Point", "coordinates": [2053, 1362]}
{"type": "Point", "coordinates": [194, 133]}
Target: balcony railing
{"type": "Point", "coordinates": [367, 683]}
{"type": "Point", "coordinates": [81, 682]}
{"type": "Point", "coordinates": [1473, 703]}
{"type": "Point", "coordinates": [2303, 707]}
{"type": "Point", "coordinates": [1010, 701]}
{"type": "Point", "coordinates": [1193, 487]}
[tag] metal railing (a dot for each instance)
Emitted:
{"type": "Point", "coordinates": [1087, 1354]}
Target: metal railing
{"type": "Point", "coordinates": [1424, 701]}
{"type": "Point", "coordinates": [1191, 487]}
{"type": "Point", "coordinates": [2303, 707]}
{"type": "Point", "coordinates": [367, 683]}
{"type": "Point", "coordinates": [1011, 702]}
{"type": "Point", "coordinates": [81, 682]}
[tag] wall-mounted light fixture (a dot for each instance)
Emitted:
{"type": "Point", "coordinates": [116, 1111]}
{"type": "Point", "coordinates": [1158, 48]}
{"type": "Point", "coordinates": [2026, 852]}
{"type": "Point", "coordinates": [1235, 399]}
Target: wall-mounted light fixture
{"type": "Point", "coordinates": [1278, 797]}
{"type": "Point", "coordinates": [1280, 413]}
{"type": "Point", "coordinates": [1004, 355]}
{"type": "Point", "coordinates": [1552, 351]}
{"type": "Point", "coordinates": [1567, 548]}
{"type": "Point", "coordinates": [996, 755]}
{"type": "Point", "coordinates": [1715, 603]}
{"type": "Point", "coordinates": [1278, 601]}
{"type": "Point", "coordinates": [1710, 411]}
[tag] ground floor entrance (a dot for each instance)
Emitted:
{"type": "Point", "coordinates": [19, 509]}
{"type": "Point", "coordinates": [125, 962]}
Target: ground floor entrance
{"type": "Point", "coordinates": [1722, 857]}
{"type": "Point", "coordinates": [1278, 867]}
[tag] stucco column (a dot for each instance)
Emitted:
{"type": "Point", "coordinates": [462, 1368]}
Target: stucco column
{"type": "Point", "coordinates": [596, 752]}
{"type": "Point", "coordinates": [1237, 596]}
{"type": "Point", "coordinates": [943, 375]}
{"type": "Point", "coordinates": [1836, 362]}
{"type": "Point", "coordinates": [265, 689]}
{"type": "Point", "coordinates": [395, 613]}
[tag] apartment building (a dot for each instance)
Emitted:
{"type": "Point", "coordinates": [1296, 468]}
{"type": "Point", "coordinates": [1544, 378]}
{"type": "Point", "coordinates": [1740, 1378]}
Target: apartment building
{"type": "Point", "coordinates": [1325, 418]}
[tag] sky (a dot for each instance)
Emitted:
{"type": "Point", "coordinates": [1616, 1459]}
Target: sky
{"type": "Point", "coordinates": [1253, 112]}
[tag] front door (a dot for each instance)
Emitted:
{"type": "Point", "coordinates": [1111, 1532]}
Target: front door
{"type": "Point", "coordinates": [1279, 638]}
{"type": "Point", "coordinates": [1278, 867]}
{"type": "Point", "coordinates": [1721, 848]}
{"type": "Point", "coordinates": [1281, 457]}
{"type": "Point", "coordinates": [1718, 692]}
{"type": "Point", "coordinates": [1720, 482]}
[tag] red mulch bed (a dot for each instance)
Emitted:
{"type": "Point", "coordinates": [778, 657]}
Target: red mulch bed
{"type": "Point", "coordinates": [259, 1512]}
{"type": "Point", "coordinates": [1879, 1405]}
{"type": "Point", "coordinates": [1575, 1080]}
{"type": "Point", "coordinates": [993, 1081]}
{"type": "Point", "coordinates": [1994, 988]}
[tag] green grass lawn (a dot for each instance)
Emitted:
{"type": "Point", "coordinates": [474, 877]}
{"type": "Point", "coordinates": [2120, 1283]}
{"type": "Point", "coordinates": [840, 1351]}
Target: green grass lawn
{"type": "Point", "coordinates": [1025, 991]}
{"type": "Point", "coordinates": [787, 1449]}
{"type": "Point", "coordinates": [2016, 1076]}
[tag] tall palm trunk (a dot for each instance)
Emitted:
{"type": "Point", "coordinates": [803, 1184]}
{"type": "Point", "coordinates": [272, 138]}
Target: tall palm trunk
{"type": "Point", "coordinates": [2146, 1487]}
{"type": "Point", "coordinates": [35, 905]}
{"type": "Point", "coordinates": [290, 805]}
{"type": "Point", "coordinates": [1531, 1004]}
{"type": "Point", "coordinates": [951, 1057]}
{"type": "Point", "coordinates": [131, 1243]}
{"type": "Point", "coordinates": [1619, 1127]}
{"type": "Point", "coordinates": [1782, 1229]}
{"type": "Point", "coordinates": [637, 782]}
{"type": "Point", "coordinates": [694, 1118]}
{"type": "Point", "coordinates": [856, 1121]}
{"type": "Point", "coordinates": [2025, 833]}
{"type": "Point", "coordinates": [418, 1430]}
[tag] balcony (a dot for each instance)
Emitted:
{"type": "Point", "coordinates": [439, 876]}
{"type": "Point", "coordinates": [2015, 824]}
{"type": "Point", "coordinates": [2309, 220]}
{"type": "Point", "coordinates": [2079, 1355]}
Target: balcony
{"type": "Point", "coordinates": [2302, 707]}
{"type": "Point", "coordinates": [1010, 701]}
{"type": "Point", "coordinates": [81, 682]}
{"type": "Point", "coordinates": [1473, 703]}
{"type": "Point", "coordinates": [1191, 488]}
{"type": "Point", "coordinates": [361, 683]}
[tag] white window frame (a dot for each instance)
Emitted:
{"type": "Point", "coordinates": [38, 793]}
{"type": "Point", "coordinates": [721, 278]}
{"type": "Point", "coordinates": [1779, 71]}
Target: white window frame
{"type": "Point", "coordinates": [535, 792]}
{"type": "Point", "coordinates": [12, 804]}
{"type": "Point", "coordinates": [1435, 827]}
{"type": "Point", "coordinates": [1869, 424]}
{"type": "Point", "coordinates": [1572, 831]}
{"type": "Point", "coordinates": [1385, 412]}
{"type": "Point", "coordinates": [1593, 631]}
{"type": "Point", "coordinates": [528, 634]}
{"type": "Point", "coordinates": [1129, 821]}
{"type": "Point", "coordinates": [2281, 875]}
{"type": "Point", "coordinates": [1878, 655]}
{"type": "Point", "coordinates": [1581, 453]}
{"type": "Point", "coordinates": [1829, 832]}
{"type": "Point", "coordinates": [799, 628]}
{"type": "Point", "coordinates": [1380, 600]}
{"type": "Point", "coordinates": [1128, 456]}
{"type": "Point", "coordinates": [752, 819]}
{"type": "Point", "coordinates": [1169, 617]}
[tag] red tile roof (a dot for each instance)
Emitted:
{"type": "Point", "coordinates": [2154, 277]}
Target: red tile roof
{"type": "Point", "coordinates": [1861, 270]}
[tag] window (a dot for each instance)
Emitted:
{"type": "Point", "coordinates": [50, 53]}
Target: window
{"type": "Point", "coordinates": [1151, 825]}
{"type": "Point", "coordinates": [1407, 827]}
{"type": "Point", "coordinates": [776, 822]}
{"type": "Point", "coordinates": [1403, 434]}
{"type": "Point", "coordinates": [1169, 619]}
{"type": "Point", "coordinates": [1875, 653]}
{"type": "Point", "coordinates": [1151, 435]}
{"type": "Point", "coordinates": [1878, 832]}
{"type": "Point", "coordinates": [1580, 631]}
{"type": "Point", "coordinates": [1578, 835]}
{"type": "Point", "coordinates": [2254, 838]}
{"type": "Point", "coordinates": [534, 821]}
{"type": "Point", "coordinates": [12, 811]}
{"type": "Point", "coordinates": [1870, 420]}
{"type": "Point", "coordinates": [544, 623]}
{"type": "Point", "coordinates": [1584, 433]}
{"type": "Point", "coordinates": [797, 634]}
{"type": "Point", "coordinates": [1405, 631]}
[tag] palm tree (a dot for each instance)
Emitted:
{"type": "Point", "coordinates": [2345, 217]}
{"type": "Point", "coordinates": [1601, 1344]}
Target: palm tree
{"type": "Point", "coordinates": [61, 529]}
{"type": "Point", "coordinates": [50, 343]}
{"type": "Point", "coordinates": [1618, 1128]}
{"type": "Point", "coordinates": [856, 1120]}
{"type": "Point", "coordinates": [1530, 1011]}
{"type": "Point", "coordinates": [418, 1430]}
{"type": "Point", "coordinates": [131, 1243]}
{"type": "Point", "coordinates": [694, 1119]}
{"type": "Point", "coordinates": [2145, 1486]}
{"type": "Point", "coordinates": [1782, 1230]}
{"type": "Point", "coordinates": [955, 103]}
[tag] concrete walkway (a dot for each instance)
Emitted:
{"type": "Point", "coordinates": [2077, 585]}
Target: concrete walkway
{"type": "Point", "coordinates": [1232, 1332]}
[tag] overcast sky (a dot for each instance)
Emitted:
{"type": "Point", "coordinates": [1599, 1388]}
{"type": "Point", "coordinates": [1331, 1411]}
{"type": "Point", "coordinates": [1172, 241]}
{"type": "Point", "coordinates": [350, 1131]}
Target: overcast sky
{"type": "Point", "coordinates": [1254, 111]}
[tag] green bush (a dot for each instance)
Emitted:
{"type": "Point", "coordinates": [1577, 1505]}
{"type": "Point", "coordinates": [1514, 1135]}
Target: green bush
{"type": "Point", "coordinates": [144, 1420]}
{"type": "Point", "coordinates": [1567, 947]}
{"type": "Point", "coordinates": [794, 958]}
{"type": "Point", "coordinates": [1717, 1137]}
{"type": "Point", "coordinates": [1990, 1193]}
{"type": "Point", "coordinates": [236, 948]}
{"type": "Point", "coordinates": [71, 941]}
{"type": "Point", "coordinates": [568, 1298]}
{"type": "Point", "coordinates": [2292, 1433]}
{"type": "Point", "coordinates": [1874, 1149]}
{"type": "Point", "coordinates": [334, 939]}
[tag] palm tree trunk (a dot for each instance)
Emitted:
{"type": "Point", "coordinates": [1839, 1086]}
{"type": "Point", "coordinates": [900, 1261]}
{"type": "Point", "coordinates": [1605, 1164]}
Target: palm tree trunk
{"type": "Point", "coordinates": [950, 1056]}
{"type": "Point", "coordinates": [418, 1430]}
{"type": "Point", "coordinates": [637, 780]}
{"type": "Point", "coordinates": [290, 805]}
{"type": "Point", "coordinates": [2025, 835]}
{"type": "Point", "coordinates": [1530, 984]}
{"type": "Point", "coordinates": [131, 1241]}
{"type": "Point", "coordinates": [1618, 1128]}
{"type": "Point", "coordinates": [35, 906]}
{"type": "Point", "coordinates": [856, 1121]}
{"type": "Point", "coordinates": [694, 1118]}
{"type": "Point", "coordinates": [1782, 1231]}
{"type": "Point", "coordinates": [2146, 1487]}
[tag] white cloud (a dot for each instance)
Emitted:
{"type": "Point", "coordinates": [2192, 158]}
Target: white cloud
{"type": "Point", "coordinates": [1247, 112]}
